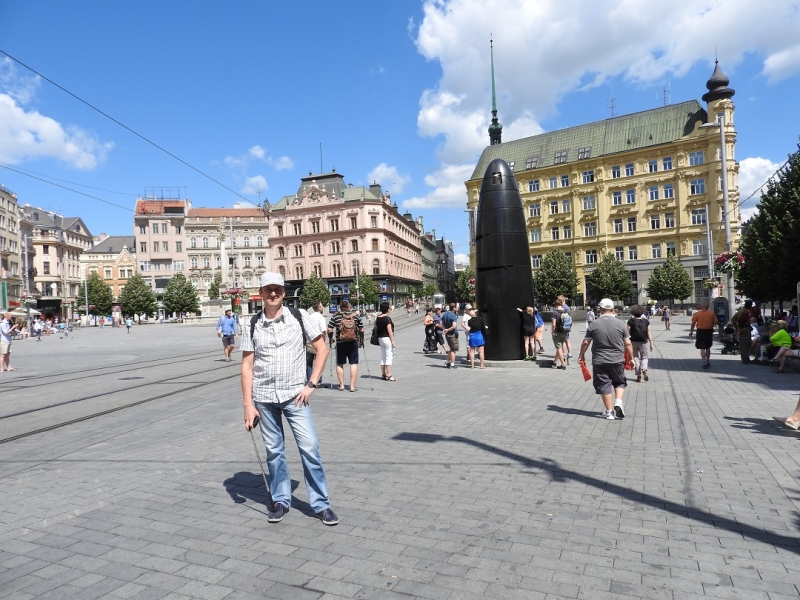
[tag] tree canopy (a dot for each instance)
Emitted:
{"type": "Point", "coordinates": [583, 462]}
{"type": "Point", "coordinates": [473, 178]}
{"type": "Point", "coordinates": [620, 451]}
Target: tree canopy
{"type": "Point", "coordinates": [213, 289]}
{"type": "Point", "coordinates": [609, 279]}
{"type": "Point", "coordinates": [180, 296]}
{"type": "Point", "coordinates": [669, 281]}
{"type": "Point", "coordinates": [100, 295]}
{"type": "Point", "coordinates": [465, 292]}
{"type": "Point", "coordinates": [314, 290]}
{"type": "Point", "coordinates": [771, 271]}
{"type": "Point", "coordinates": [137, 298]}
{"type": "Point", "coordinates": [555, 277]}
{"type": "Point", "coordinates": [364, 290]}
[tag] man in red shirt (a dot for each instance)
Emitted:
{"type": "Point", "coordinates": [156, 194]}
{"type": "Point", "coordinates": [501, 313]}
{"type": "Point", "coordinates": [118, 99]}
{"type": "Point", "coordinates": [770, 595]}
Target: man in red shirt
{"type": "Point", "coordinates": [705, 321]}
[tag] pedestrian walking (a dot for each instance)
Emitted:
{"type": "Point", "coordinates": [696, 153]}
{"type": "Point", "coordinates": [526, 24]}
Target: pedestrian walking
{"type": "Point", "coordinates": [528, 331]}
{"type": "Point", "coordinates": [227, 331]}
{"type": "Point", "coordinates": [450, 328]}
{"type": "Point", "coordinates": [311, 352]}
{"type": "Point", "coordinates": [38, 328]}
{"type": "Point", "coordinates": [666, 317]}
{"type": "Point", "coordinates": [567, 319]}
{"type": "Point", "coordinates": [611, 351]}
{"type": "Point", "coordinates": [385, 327]}
{"type": "Point", "coordinates": [429, 345]}
{"type": "Point", "coordinates": [641, 338]}
{"type": "Point", "coordinates": [742, 322]}
{"type": "Point", "coordinates": [349, 331]}
{"type": "Point", "coordinates": [128, 323]}
{"type": "Point", "coordinates": [438, 330]}
{"type": "Point", "coordinates": [274, 387]}
{"type": "Point", "coordinates": [559, 323]}
{"type": "Point", "coordinates": [590, 316]}
{"type": "Point", "coordinates": [7, 331]}
{"type": "Point", "coordinates": [476, 339]}
{"type": "Point", "coordinates": [705, 321]}
{"type": "Point", "coordinates": [538, 336]}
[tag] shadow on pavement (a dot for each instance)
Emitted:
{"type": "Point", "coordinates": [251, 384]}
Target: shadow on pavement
{"type": "Point", "coordinates": [792, 544]}
{"type": "Point", "coordinates": [764, 426]}
{"type": "Point", "coordinates": [244, 486]}
{"type": "Point", "coordinates": [573, 411]}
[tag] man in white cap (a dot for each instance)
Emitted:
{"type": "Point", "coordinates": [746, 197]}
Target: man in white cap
{"type": "Point", "coordinates": [611, 349]}
{"type": "Point", "coordinates": [274, 385]}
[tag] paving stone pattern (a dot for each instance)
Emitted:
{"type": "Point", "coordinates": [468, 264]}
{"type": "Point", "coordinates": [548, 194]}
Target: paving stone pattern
{"type": "Point", "coordinates": [497, 483]}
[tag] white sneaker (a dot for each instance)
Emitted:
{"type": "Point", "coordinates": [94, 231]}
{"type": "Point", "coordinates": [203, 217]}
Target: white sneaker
{"type": "Point", "coordinates": [608, 415]}
{"type": "Point", "coordinates": [619, 410]}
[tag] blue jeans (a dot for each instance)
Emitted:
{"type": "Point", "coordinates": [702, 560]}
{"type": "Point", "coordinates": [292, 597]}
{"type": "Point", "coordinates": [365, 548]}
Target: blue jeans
{"type": "Point", "coordinates": [302, 424]}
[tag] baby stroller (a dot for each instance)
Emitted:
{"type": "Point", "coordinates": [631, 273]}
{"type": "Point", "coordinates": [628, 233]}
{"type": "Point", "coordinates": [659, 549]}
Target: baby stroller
{"type": "Point", "coordinates": [430, 347]}
{"type": "Point", "coordinates": [730, 339]}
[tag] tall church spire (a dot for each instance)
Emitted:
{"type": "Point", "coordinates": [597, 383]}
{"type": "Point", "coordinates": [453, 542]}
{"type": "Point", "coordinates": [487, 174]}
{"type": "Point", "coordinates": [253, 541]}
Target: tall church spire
{"type": "Point", "coordinates": [495, 129]}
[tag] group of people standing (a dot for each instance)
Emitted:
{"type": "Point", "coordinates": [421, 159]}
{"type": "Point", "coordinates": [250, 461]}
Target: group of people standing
{"type": "Point", "coordinates": [442, 330]}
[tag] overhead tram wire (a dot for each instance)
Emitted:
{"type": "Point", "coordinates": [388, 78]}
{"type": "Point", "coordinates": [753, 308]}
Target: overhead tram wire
{"type": "Point", "coordinates": [67, 188]}
{"type": "Point", "coordinates": [29, 172]}
{"type": "Point", "coordinates": [139, 135]}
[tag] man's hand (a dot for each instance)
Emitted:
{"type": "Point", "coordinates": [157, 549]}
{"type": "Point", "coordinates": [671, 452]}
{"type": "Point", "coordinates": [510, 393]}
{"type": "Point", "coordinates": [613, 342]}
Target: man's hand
{"type": "Point", "coordinates": [303, 396]}
{"type": "Point", "coordinates": [250, 414]}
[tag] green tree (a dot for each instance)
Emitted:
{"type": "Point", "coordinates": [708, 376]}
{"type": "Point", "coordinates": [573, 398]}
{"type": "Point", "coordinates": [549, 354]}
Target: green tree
{"type": "Point", "coordinates": [555, 277]}
{"type": "Point", "coordinates": [213, 289]}
{"type": "Point", "coordinates": [429, 289]}
{"type": "Point", "coordinates": [364, 290]}
{"type": "Point", "coordinates": [314, 290]}
{"type": "Point", "coordinates": [180, 296]}
{"type": "Point", "coordinates": [465, 293]}
{"type": "Point", "coordinates": [416, 291]}
{"type": "Point", "coordinates": [100, 295]}
{"type": "Point", "coordinates": [137, 298]}
{"type": "Point", "coordinates": [770, 271]}
{"type": "Point", "coordinates": [609, 280]}
{"type": "Point", "coordinates": [670, 281]}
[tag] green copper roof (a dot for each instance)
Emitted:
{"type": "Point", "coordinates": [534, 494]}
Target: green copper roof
{"type": "Point", "coordinates": [618, 134]}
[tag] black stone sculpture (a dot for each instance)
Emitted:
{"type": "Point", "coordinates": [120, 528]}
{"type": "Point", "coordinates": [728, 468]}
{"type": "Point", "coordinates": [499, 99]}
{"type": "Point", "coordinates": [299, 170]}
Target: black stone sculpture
{"type": "Point", "coordinates": [503, 262]}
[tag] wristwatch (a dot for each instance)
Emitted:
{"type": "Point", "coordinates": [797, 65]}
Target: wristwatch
{"type": "Point", "coordinates": [311, 384]}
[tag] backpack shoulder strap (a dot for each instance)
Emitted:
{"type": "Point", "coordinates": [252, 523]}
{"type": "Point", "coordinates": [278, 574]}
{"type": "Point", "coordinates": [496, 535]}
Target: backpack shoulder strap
{"type": "Point", "coordinates": [296, 314]}
{"type": "Point", "coordinates": [253, 320]}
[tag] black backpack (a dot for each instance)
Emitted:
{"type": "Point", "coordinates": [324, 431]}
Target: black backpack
{"type": "Point", "coordinates": [295, 313]}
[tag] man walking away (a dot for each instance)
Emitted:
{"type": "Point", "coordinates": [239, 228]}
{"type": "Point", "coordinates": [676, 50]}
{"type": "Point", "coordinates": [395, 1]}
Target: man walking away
{"type": "Point", "coordinates": [226, 329]}
{"type": "Point", "coordinates": [128, 323]}
{"type": "Point", "coordinates": [311, 353]}
{"type": "Point", "coordinates": [742, 320]}
{"type": "Point", "coordinates": [705, 321]}
{"type": "Point", "coordinates": [559, 335]}
{"type": "Point", "coordinates": [7, 331]}
{"type": "Point", "coordinates": [274, 387]}
{"type": "Point", "coordinates": [639, 329]}
{"type": "Point", "coordinates": [450, 324]}
{"type": "Point", "coordinates": [37, 329]}
{"type": "Point", "coordinates": [349, 331]}
{"type": "Point", "coordinates": [611, 349]}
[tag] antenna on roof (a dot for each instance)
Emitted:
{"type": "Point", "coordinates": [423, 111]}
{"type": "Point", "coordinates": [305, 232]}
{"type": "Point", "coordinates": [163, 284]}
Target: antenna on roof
{"type": "Point", "coordinates": [666, 98]}
{"type": "Point", "coordinates": [612, 103]}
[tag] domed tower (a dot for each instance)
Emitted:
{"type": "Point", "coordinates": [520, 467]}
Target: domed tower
{"type": "Point", "coordinates": [496, 128]}
{"type": "Point", "coordinates": [718, 97]}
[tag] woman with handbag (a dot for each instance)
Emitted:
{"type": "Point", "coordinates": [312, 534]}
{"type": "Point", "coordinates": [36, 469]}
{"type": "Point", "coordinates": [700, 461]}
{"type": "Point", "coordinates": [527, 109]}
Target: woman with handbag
{"type": "Point", "coordinates": [385, 330]}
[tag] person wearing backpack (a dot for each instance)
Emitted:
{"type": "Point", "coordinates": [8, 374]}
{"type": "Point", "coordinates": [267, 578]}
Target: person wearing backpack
{"type": "Point", "coordinates": [349, 331]}
{"type": "Point", "coordinates": [559, 333]}
{"type": "Point", "coordinates": [567, 325]}
{"type": "Point", "coordinates": [639, 328]}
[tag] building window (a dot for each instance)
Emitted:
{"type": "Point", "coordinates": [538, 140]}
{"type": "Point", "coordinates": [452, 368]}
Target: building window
{"type": "Point", "coordinates": [259, 241]}
{"type": "Point", "coordinates": [142, 229]}
{"type": "Point", "coordinates": [246, 260]}
{"type": "Point", "coordinates": [631, 223]}
{"type": "Point", "coordinates": [279, 229]}
{"type": "Point", "coordinates": [629, 170]}
{"type": "Point", "coordinates": [218, 261]}
{"type": "Point", "coordinates": [282, 271]}
{"type": "Point", "coordinates": [533, 185]}
{"type": "Point", "coordinates": [656, 250]}
{"type": "Point", "coordinates": [671, 249]}
{"type": "Point", "coordinates": [356, 268]}
{"type": "Point", "coordinates": [155, 246]}
{"type": "Point", "coordinates": [616, 198]}
{"type": "Point", "coordinates": [535, 210]}
{"type": "Point", "coordinates": [334, 224]}
{"type": "Point", "coordinates": [206, 262]}
{"type": "Point", "coordinates": [617, 225]}
{"type": "Point", "coordinates": [633, 253]}
{"type": "Point", "coordinates": [536, 261]}
{"type": "Point", "coordinates": [652, 166]}
{"type": "Point", "coordinates": [163, 228]}
{"type": "Point", "coordinates": [336, 248]}
{"type": "Point", "coordinates": [554, 207]}
{"type": "Point", "coordinates": [553, 183]}
{"type": "Point", "coordinates": [46, 268]}
{"type": "Point", "coordinates": [281, 252]}
{"type": "Point", "coordinates": [177, 229]}
{"type": "Point", "coordinates": [155, 227]}
{"type": "Point", "coordinates": [697, 186]}
{"type": "Point", "coordinates": [165, 246]}
{"type": "Point", "coordinates": [666, 163]}
{"type": "Point", "coordinates": [192, 262]}
{"type": "Point", "coordinates": [531, 162]}
{"type": "Point", "coordinates": [554, 233]}
{"type": "Point", "coordinates": [354, 245]}
{"type": "Point", "coordinates": [298, 250]}
{"type": "Point", "coordinates": [192, 242]}
{"type": "Point", "coordinates": [589, 229]}
{"type": "Point", "coordinates": [565, 181]}
{"type": "Point", "coordinates": [142, 247]}
{"type": "Point", "coordinates": [298, 228]}
{"type": "Point", "coordinates": [615, 172]}
{"type": "Point", "coordinates": [376, 267]}
{"type": "Point", "coordinates": [587, 176]}
{"type": "Point", "coordinates": [246, 241]}
{"type": "Point", "coordinates": [205, 242]}
{"type": "Point", "coordinates": [353, 223]}
{"type": "Point", "coordinates": [669, 220]}
{"type": "Point", "coordinates": [298, 272]}
{"type": "Point", "coordinates": [260, 260]}
{"type": "Point", "coordinates": [585, 152]}
{"type": "Point", "coordinates": [630, 196]}
{"type": "Point", "coordinates": [178, 246]}
{"type": "Point", "coordinates": [700, 272]}
{"type": "Point", "coordinates": [336, 270]}
{"type": "Point", "coordinates": [568, 255]}
{"type": "Point", "coordinates": [375, 244]}
{"type": "Point", "coordinates": [699, 216]}
{"type": "Point", "coordinates": [314, 226]}
{"type": "Point", "coordinates": [567, 232]}
{"type": "Point", "coordinates": [560, 157]}
{"type": "Point", "coordinates": [619, 253]}
{"type": "Point", "coordinates": [655, 221]}
{"type": "Point", "coordinates": [591, 257]}
{"type": "Point", "coordinates": [589, 203]}
{"type": "Point", "coordinates": [653, 192]}
{"type": "Point", "coordinates": [536, 235]}
{"type": "Point", "coordinates": [373, 222]}
{"type": "Point", "coordinates": [696, 158]}
{"type": "Point", "coordinates": [669, 191]}
{"type": "Point", "coordinates": [699, 248]}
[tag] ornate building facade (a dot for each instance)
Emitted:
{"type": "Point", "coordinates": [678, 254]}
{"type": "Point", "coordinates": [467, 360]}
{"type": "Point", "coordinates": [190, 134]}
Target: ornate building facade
{"type": "Point", "coordinates": [113, 258]}
{"type": "Point", "coordinates": [11, 258]}
{"type": "Point", "coordinates": [639, 186]}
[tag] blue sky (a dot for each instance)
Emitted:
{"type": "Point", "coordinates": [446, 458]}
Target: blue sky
{"type": "Point", "coordinates": [394, 91]}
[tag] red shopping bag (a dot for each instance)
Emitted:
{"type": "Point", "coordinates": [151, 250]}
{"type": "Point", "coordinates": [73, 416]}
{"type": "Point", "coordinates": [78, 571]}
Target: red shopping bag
{"type": "Point", "coordinates": [629, 365]}
{"type": "Point", "coordinates": [586, 374]}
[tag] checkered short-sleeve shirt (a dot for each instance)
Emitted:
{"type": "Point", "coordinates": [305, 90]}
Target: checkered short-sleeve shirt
{"type": "Point", "coordinates": [279, 366]}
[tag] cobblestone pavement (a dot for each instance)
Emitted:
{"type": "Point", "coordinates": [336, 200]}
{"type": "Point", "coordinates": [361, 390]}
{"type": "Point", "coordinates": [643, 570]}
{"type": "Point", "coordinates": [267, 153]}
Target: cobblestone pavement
{"type": "Point", "coordinates": [496, 483]}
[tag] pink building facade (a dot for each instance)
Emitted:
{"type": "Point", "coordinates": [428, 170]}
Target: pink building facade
{"type": "Point", "coordinates": [160, 239]}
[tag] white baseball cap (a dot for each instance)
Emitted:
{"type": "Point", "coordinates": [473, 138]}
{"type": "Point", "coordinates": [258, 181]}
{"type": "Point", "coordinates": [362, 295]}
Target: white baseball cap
{"type": "Point", "coordinates": [468, 307]}
{"type": "Point", "coordinates": [606, 304]}
{"type": "Point", "coordinates": [269, 278]}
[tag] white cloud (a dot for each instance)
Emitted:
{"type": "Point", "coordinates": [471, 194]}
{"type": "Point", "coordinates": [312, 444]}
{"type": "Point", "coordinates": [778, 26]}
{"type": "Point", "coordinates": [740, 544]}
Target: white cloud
{"type": "Point", "coordinates": [258, 153]}
{"type": "Point", "coordinates": [254, 185]}
{"type": "Point", "coordinates": [461, 259]}
{"type": "Point", "coordinates": [753, 173]}
{"type": "Point", "coordinates": [449, 190]}
{"type": "Point", "coordinates": [283, 163]}
{"type": "Point", "coordinates": [389, 178]}
{"type": "Point", "coordinates": [548, 48]}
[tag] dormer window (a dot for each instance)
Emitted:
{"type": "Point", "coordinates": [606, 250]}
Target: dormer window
{"type": "Point", "coordinates": [36, 216]}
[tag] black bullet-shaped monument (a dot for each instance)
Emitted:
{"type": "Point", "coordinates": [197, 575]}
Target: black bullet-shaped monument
{"type": "Point", "coordinates": [503, 262]}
